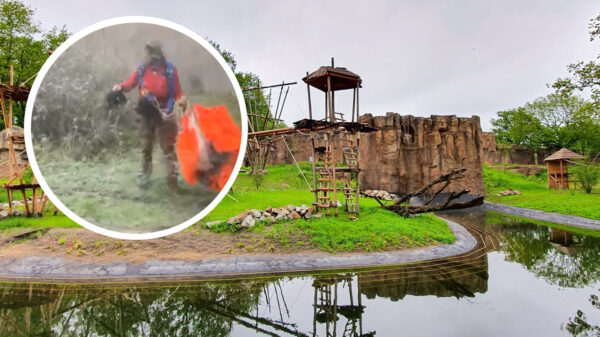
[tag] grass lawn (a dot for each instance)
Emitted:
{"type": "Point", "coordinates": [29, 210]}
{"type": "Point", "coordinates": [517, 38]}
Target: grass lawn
{"type": "Point", "coordinates": [536, 195]}
{"type": "Point", "coordinates": [375, 230]}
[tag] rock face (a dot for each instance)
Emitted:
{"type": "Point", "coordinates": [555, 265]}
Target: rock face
{"type": "Point", "coordinates": [406, 152]}
{"type": "Point", "coordinates": [493, 153]}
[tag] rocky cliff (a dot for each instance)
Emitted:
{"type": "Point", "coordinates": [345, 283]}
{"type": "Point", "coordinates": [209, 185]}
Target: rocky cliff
{"type": "Point", "coordinates": [407, 152]}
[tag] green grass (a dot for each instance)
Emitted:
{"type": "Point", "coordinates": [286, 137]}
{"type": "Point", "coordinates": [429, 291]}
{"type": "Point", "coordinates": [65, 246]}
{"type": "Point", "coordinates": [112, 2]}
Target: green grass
{"type": "Point", "coordinates": [536, 195]}
{"type": "Point", "coordinates": [48, 220]}
{"type": "Point", "coordinates": [376, 229]}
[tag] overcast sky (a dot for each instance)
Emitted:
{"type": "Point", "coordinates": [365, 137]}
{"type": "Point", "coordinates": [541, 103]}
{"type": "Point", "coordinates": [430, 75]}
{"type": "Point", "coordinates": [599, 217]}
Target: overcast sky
{"type": "Point", "coordinates": [421, 57]}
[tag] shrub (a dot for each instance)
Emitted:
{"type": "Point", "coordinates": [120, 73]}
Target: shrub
{"type": "Point", "coordinates": [588, 175]}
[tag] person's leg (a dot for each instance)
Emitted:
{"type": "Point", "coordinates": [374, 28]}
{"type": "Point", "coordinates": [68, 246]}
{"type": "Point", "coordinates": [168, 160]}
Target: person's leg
{"type": "Point", "coordinates": [147, 134]}
{"type": "Point", "coordinates": [167, 134]}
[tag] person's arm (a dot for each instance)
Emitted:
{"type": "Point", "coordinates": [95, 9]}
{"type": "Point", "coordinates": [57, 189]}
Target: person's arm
{"type": "Point", "coordinates": [129, 83]}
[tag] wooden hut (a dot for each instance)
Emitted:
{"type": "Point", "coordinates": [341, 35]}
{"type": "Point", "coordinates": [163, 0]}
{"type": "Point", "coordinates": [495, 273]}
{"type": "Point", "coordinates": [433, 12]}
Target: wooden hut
{"type": "Point", "coordinates": [558, 174]}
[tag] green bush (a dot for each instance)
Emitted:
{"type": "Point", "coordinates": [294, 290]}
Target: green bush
{"type": "Point", "coordinates": [587, 174]}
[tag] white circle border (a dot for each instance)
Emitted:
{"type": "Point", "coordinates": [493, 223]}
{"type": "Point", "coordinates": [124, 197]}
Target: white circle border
{"type": "Point", "coordinates": [31, 101]}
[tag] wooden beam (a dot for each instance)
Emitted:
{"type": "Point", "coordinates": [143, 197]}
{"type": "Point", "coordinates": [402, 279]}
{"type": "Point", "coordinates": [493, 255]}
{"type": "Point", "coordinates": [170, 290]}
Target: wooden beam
{"type": "Point", "coordinates": [270, 86]}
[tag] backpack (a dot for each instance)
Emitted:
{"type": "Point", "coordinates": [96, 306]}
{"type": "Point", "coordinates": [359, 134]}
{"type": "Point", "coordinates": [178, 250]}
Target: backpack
{"type": "Point", "coordinates": [170, 84]}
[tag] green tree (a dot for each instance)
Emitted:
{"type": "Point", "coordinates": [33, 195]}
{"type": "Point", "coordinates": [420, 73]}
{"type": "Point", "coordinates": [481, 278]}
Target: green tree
{"type": "Point", "coordinates": [584, 76]}
{"type": "Point", "coordinates": [256, 101]}
{"type": "Point", "coordinates": [553, 121]}
{"type": "Point", "coordinates": [518, 126]}
{"type": "Point", "coordinates": [25, 46]}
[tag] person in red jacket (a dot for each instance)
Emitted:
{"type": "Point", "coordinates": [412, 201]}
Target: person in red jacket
{"type": "Point", "coordinates": [159, 88]}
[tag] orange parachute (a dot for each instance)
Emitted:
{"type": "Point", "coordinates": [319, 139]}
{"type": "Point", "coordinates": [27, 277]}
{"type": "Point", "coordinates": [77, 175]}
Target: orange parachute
{"type": "Point", "coordinates": [207, 131]}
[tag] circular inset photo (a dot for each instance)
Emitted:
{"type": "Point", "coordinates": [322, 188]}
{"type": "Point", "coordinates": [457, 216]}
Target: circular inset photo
{"type": "Point", "coordinates": [136, 127]}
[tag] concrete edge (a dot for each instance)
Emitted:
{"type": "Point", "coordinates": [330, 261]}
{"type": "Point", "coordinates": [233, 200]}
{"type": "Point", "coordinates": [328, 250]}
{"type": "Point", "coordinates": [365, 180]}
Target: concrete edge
{"type": "Point", "coordinates": [60, 269]}
{"type": "Point", "coordinates": [562, 219]}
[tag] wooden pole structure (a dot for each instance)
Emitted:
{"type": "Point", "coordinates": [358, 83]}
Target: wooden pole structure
{"type": "Point", "coordinates": [332, 149]}
{"type": "Point", "coordinates": [358, 173]}
{"type": "Point", "coordinates": [309, 103]}
{"type": "Point", "coordinates": [10, 101]}
{"type": "Point", "coordinates": [314, 167]}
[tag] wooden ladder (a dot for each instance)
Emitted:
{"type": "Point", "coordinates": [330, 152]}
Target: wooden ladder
{"type": "Point", "coordinates": [350, 196]}
{"type": "Point", "coordinates": [325, 182]}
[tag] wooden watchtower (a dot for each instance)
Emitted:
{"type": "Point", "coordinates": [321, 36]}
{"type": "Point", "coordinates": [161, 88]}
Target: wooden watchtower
{"type": "Point", "coordinates": [557, 163]}
{"type": "Point", "coordinates": [15, 170]}
{"type": "Point", "coordinates": [331, 173]}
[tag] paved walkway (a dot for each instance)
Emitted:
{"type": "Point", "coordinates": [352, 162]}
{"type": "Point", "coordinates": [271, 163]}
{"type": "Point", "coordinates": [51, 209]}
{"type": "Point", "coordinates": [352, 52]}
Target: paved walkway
{"type": "Point", "coordinates": [50, 268]}
{"type": "Point", "coordinates": [563, 219]}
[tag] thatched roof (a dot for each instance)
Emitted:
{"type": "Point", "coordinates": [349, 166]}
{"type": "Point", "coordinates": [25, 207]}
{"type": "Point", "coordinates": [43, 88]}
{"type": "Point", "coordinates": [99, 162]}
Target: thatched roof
{"type": "Point", "coordinates": [341, 78]}
{"type": "Point", "coordinates": [15, 92]}
{"type": "Point", "coordinates": [564, 154]}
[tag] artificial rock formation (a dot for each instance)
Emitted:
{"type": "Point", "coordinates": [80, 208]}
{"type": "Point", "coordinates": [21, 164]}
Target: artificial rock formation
{"type": "Point", "coordinates": [406, 152]}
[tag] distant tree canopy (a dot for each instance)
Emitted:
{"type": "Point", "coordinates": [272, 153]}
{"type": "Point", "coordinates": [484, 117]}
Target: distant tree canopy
{"type": "Point", "coordinates": [256, 102]}
{"type": "Point", "coordinates": [25, 46]}
{"type": "Point", "coordinates": [560, 119]}
{"type": "Point", "coordinates": [552, 121]}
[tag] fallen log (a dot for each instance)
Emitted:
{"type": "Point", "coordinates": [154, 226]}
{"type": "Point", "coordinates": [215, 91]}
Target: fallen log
{"type": "Point", "coordinates": [402, 206]}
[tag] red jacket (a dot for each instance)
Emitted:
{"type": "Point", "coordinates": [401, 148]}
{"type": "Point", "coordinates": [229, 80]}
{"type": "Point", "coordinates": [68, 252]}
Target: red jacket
{"type": "Point", "coordinates": [155, 82]}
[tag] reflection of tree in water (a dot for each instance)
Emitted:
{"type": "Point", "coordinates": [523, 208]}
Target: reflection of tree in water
{"type": "Point", "coordinates": [47, 310]}
{"type": "Point", "coordinates": [580, 326]}
{"type": "Point", "coordinates": [559, 257]}
{"type": "Point", "coordinates": [567, 264]}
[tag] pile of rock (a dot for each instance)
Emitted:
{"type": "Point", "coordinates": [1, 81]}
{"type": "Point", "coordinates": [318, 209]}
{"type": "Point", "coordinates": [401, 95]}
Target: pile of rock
{"type": "Point", "coordinates": [381, 194]}
{"type": "Point", "coordinates": [249, 218]}
{"type": "Point", "coordinates": [509, 191]}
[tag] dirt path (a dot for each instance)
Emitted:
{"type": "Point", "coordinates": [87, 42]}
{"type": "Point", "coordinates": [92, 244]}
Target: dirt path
{"type": "Point", "coordinates": [189, 245]}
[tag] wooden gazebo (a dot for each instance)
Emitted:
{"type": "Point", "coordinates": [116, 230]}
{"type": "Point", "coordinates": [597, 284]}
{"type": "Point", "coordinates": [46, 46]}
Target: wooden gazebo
{"type": "Point", "coordinates": [558, 174]}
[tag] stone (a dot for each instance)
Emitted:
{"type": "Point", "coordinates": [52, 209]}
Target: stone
{"type": "Point", "coordinates": [339, 204]}
{"type": "Point", "coordinates": [281, 216]}
{"type": "Point", "coordinates": [317, 216]}
{"type": "Point", "coordinates": [275, 211]}
{"type": "Point", "coordinates": [381, 194]}
{"type": "Point", "coordinates": [285, 211]}
{"type": "Point", "coordinates": [16, 212]}
{"type": "Point", "coordinates": [291, 207]}
{"type": "Point", "coordinates": [211, 224]}
{"type": "Point", "coordinates": [3, 214]}
{"type": "Point", "coordinates": [248, 222]}
{"type": "Point", "coordinates": [266, 214]}
{"type": "Point", "coordinates": [272, 218]}
{"type": "Point", "coordinates": [255, 213]}
{"type": "Point", "coordinates": [407, 152]}
{"type": "Point", "coordinates": [236, 220]}
{"type": "Point", "coordinates": [367, 192]}
{"type": "Point", "coordinates": [308, 215]}
{"type": "Point", "coordinates": [268, 209]}
{"type": "Point", "coordinates": [262, 218]}
{"type": "Point", "coordinates": [294, 215]}
{"type": "Point", "coordinates": [302, 211]}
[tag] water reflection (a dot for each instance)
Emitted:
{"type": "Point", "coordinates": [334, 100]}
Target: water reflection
{"type": "Point", "coordinates": [331, 304]}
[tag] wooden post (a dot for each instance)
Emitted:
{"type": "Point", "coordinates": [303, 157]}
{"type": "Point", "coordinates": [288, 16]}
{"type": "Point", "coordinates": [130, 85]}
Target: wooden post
{"type": "Point", "coordinates": [358, 173]}
{"type": "Point", "coordinates": [10, 101]}
{"type": "Point", "coordinates": [314, 168]}
{"type": "Point", "coordinates": [10, 210]}
{"type": "Point", "coordinates": [332, 149]}
{"type": "Point", "coordinates": [354, 104]}
{"type": "Point", "coordinates": [309, 105]}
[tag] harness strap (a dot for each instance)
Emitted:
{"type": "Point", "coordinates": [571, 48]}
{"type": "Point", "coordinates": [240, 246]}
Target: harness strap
{"type": "Point", "coordinates": [141, 69]}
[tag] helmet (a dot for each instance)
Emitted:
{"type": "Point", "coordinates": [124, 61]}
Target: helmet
{"type": "Point", "coordinates": [154, 50]}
